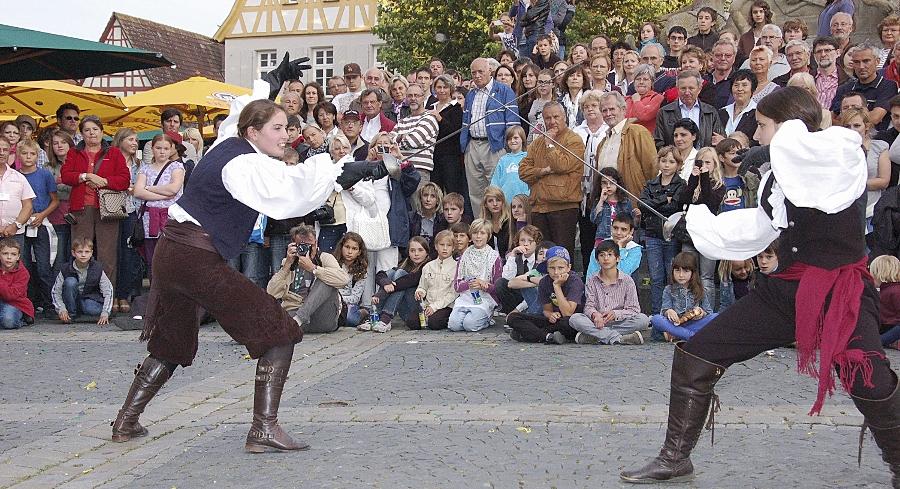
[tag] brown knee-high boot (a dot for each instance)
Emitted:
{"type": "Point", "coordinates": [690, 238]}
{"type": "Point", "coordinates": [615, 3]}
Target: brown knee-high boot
{"type": "Point", "coordinates": [691, 395]}
{"type": "Point", "coordinates": [883, 419]}
{"type": "Point", "coordinates": [271, 373]}
{"type": "Point", "coordinates": [148, 378]}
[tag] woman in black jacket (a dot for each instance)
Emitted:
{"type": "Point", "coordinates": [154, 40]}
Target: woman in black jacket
{"type": "Point", "coordinates": [448, 170]}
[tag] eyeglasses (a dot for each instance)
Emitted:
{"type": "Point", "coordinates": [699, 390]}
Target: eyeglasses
{"type": "Point", "coordinates": [545, 82]}
{"type": "Point", "coordinates": [71, 117]}
{"type": "Point", "coordinates": [824, 51]}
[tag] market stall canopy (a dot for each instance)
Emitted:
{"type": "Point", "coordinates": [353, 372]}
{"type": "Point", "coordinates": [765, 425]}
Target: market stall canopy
{"type": "Point", "coordinates": [40, 99]}
{"type": "Point", "coordinates": [27, 55]}
{"type": "Point", "coordinates": [198, 98]}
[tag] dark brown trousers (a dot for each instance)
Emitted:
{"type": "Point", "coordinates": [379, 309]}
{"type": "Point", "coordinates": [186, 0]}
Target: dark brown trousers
{"type": "Point", "coordinates": [186, 278]}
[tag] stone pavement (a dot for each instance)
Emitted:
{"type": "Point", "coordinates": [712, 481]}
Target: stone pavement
{"type": "Point", "coordinates": [408, 409]}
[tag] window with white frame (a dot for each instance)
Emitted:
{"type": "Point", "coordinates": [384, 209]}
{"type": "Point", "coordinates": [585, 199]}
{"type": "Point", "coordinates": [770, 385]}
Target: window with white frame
{"type": "Point", "coordinates": [323, 64]}
{"type": "Point", "coordinates": [266, 61]}
{"type": "Point", "coordinates": [377, 62]}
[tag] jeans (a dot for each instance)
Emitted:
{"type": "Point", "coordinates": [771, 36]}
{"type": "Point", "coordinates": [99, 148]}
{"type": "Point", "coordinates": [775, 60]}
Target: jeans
{"type": "Point", "coordinates": [320, 309]}
{"type": "Point", "coordinates": [890, 336]}
{"type": "Point", "coordinates": [399, 303]}
{"type": "Point", "coordinates": [660, 254]}
{"type": "Point", "coordinates": [684, 331]}
{"type": "Point", "coordinates": [612, 331]}
{"type": "Point", "coordinates": [253, 264]}
{"type": "Point", "coordinates": [131, 267]}
{"type": "Point", "coordinates": [63, 246]}
{"type": "Point", "coordinates": [353, 316]}
{"type": "Point", "coordinates": [278, 244]}
{"type": "Point", "coordinates": [10, 317]}
{"type": "Point", "coordinates": [330, 235]}
{"type": "Point", "coordinates": [77, 305]}
{"type": "Point", "coordinates": [381, 260]}
{"type": "Point", "coordinates": [465, 318]}
{"type": "Point", "coordinates": [39, 266]}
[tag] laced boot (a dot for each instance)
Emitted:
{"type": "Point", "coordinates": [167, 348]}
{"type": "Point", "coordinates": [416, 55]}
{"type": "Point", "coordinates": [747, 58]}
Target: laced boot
{"type": "Point", "coordinates": [690, 400]}
{"type": "Point", "coordinates": [882, 418]}
{"type": "Point", "coordinates": [148, 378]}
{"type": "Point", "coordinates": [271, 374]}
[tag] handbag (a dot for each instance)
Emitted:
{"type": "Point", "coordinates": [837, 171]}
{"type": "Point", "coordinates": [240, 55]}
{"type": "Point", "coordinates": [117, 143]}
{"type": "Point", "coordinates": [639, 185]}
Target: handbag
{"type": "Point", "coordinates": [111, 203]}
{"type": "Point", "coordinates": [136, 237]}
{"type": "Point", "coordinates": [373, 230]}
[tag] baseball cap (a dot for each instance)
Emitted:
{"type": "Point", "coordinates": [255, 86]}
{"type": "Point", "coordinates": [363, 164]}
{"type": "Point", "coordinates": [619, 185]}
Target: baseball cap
{"type": "Point", "coordinates": [352, 69]}
{"type": "Point", "coordinates": [555, 252]}
{"type": "Point", "coordinates": [352, 114]}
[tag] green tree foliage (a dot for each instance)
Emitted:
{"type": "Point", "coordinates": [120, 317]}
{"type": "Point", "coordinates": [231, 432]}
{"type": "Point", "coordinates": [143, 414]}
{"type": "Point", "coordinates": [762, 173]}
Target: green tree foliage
{"type": "Point", "coordinates": [453, 30]}
{"type": "Point", "coordinates": [457, 30]}
{"type": "Point", "coordinates": [617, 19]}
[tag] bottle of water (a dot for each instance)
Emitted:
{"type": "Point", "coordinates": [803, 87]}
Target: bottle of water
{"type": "Point", "coordinates": [373, 318]}
{"type": "Point", "coordinates": [422, 314]}
{"type": "Point", "coordinates": [476, 297]}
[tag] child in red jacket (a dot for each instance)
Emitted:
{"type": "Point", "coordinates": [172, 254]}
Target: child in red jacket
{"type": "Point", "coordinates": [14, 303]}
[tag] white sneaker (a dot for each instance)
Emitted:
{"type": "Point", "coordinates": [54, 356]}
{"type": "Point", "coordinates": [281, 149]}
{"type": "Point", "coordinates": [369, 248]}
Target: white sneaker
{"type": "Point", "coordinates": [364, 326]}
{"type": "Point", "coordinates": [381, 327]}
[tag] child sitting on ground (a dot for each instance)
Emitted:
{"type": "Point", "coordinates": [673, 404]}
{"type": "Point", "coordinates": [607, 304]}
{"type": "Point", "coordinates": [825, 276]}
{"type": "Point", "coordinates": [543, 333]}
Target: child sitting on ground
{"type": "Point", "coordinates": [519, 263]}
{"type": "Point", "coordinates": [476, 273]}
{"type": "Point", "coordinates": [629, 251]}
{"type": "Point", "coordinates": [351, 255]}
{"type": "Point", "coordinates": [612, 313]}
{"type": "Point", "coordinates": [885, 269]}
{"type": "Point", "coordinates": [436, 292]}
{"type": "Point", "coordinates": [461, 240]}
{"type": "Point", "coordinates": [528, 282]}
{"type": "Point", "coordinates": [426, 219]}
{"type": "Point", "coordinates": [82, 287]}
{"type": "Point", "coordinates": [561, 294]}
{"type": "Point", "coordinates": [685, 306]}
{"type": "Point", "coordinates": [397, 289]}
{"type": "Point", "coordinates": [735, 281]}
{"type": "Point", "coordinates": [14, 303]}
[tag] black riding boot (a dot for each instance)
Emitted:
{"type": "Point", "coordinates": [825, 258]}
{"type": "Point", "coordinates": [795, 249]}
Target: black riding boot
{"type": "Point", "coordinates": [883, 419]}
{"type": "Point", "coordinates": [691, 395]}
{"type": "Point", "coordinates": [148, 378]}
{"type": "Point", "coordinates": [271, 373]}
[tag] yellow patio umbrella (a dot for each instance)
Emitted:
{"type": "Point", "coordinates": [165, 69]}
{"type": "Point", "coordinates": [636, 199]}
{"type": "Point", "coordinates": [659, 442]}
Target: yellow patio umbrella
{"type": "Point", "coordinates": [40, 99]}
{"type": "Point", "coordinates": [197, 97]}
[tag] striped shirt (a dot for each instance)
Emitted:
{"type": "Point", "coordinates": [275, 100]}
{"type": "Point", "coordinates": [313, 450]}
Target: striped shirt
{"type": "Point", "coordinates": [416, 133]}
{"type": "Point", "coordinates": [826, 85]}
{"type": "Point", "coordinates": [479, 111]}
{"type": "Point", "coordinates": [621, 297]}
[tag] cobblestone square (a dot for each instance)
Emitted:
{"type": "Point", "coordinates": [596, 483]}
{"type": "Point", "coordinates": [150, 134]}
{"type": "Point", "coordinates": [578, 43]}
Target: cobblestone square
{"type": "Point", "coordinates": [408, 409]}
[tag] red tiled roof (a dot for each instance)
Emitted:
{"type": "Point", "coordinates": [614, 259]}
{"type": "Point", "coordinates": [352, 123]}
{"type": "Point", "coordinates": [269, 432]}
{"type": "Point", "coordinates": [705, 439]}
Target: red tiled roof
{"type": "Point", "coordinates": [193, 54]}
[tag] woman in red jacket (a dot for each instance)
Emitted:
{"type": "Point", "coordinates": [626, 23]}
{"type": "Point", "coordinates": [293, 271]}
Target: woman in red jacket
{"type": "Point", "coordinates": [91, 166]}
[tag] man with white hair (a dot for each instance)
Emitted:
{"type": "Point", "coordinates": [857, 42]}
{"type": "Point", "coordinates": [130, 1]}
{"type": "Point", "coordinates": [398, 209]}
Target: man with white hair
{"type": "Point", "coordinates": [490, 109]}
{"type": "Point", "coordinates": [797, 53]}
{"type": "Point", "coordinates": [771, 37]}
{"type": "Point", "coordinates": [841, 28]}
{"type": "Point", "coordinates": [877, 90]}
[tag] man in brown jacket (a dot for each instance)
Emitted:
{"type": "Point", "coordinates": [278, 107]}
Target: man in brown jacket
{"type": "Point", "coordinates": [627, 147]}
{"type": "Point", "coordinates": [553, 170]}
{"type": "Point", "coordinates": [307, 283]}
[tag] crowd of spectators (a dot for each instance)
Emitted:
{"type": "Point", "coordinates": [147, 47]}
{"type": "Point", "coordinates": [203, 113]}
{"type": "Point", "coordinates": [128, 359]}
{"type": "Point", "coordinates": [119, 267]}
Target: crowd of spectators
{"type": "Point", "coordinates": [535, 187]}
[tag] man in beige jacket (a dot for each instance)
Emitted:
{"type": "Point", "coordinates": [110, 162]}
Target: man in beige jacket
{"type": "Point", "coordinates": [307, 283]}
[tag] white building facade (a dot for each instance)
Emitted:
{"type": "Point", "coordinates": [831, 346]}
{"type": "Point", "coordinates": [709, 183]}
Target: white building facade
{"type": "Point", "coordinates": [331, 33]}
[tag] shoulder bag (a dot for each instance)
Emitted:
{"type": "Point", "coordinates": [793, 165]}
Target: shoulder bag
{"type": "Point", "coordinates": [111, 203]}
{"type": "Point", "coordinates": [136, 237]}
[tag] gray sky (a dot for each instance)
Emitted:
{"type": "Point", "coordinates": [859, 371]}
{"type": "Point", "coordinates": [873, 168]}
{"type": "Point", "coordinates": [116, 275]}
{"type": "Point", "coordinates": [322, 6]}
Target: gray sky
{"type": "Point", "coordinates": [86, 19]}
